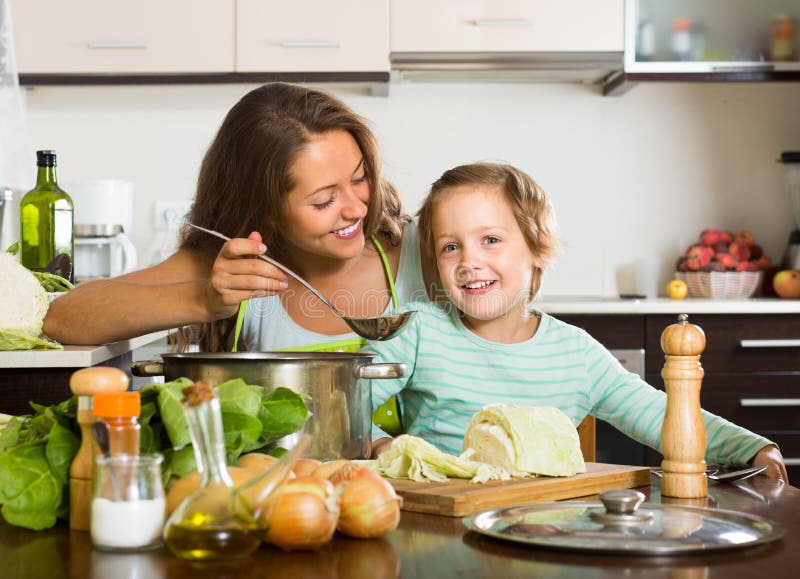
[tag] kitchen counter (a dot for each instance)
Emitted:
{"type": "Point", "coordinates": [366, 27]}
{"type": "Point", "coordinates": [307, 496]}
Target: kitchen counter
{"type": "Point", "coordinates": [75, 356]}
{"type": "Point", "coordinates": [432, 546]}
{"type": "Point", "coordinates": [602, 305]}
{"type": "Point", "coordinates": [42, 376]}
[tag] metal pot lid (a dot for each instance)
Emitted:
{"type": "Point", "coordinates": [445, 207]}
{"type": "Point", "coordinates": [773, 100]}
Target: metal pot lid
{"type": "Point", "coordinates": [618, 525]}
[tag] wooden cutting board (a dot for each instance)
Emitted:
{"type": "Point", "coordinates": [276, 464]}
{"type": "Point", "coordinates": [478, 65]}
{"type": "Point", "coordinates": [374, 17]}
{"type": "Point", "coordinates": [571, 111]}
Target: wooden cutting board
{"type": "Point", "coordinates": [459, 498]}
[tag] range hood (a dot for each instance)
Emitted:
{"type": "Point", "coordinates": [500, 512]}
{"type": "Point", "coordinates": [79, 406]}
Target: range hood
{"type": "Point", "coordinates": [588, 67]}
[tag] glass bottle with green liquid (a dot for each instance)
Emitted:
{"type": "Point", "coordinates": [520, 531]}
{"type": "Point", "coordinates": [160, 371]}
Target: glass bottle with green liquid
{"type": "Point", "coordinates": [46, 222]}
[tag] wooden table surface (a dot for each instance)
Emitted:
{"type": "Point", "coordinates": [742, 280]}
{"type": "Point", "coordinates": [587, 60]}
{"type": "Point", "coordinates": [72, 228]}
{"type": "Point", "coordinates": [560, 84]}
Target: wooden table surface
{"type": "Point", "coordinates": [428, 546]}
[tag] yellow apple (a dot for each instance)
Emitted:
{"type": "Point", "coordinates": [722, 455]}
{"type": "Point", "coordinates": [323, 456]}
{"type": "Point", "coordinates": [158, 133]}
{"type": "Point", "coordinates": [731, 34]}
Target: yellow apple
{"type": "Point", "coordinates": [677, 289]}
{"type": "Point", "coordinates": [787, 283]}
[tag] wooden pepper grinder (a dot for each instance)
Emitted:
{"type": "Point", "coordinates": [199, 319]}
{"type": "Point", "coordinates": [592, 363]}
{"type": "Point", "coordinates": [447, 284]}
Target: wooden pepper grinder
{"type": "Point", "coordinates": [84, 384]}
{"type": "Point", "coordinates": [683, 436]}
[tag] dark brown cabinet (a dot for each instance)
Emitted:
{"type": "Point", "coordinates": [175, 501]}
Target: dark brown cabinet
{"type": "Point", "coordinates": [751, 364]}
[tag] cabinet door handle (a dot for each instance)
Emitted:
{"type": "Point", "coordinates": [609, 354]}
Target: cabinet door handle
{"type": "Point", "coordinates": [791, 461]}
{"type": "Point", "coordinates": [116, 46]}
{"type": "Point", "coordinates": [769, 401]}
{"type": "Point", "coordinates": [310, 44]}
{"type": "Point", "coordinates": [487, 22]}
{"type": "Point", "coordinates": [789, 343]}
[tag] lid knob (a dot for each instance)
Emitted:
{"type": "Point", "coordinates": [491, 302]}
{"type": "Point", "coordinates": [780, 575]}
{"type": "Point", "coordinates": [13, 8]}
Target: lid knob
{"type": "Point", "coordinates": [621, 501]}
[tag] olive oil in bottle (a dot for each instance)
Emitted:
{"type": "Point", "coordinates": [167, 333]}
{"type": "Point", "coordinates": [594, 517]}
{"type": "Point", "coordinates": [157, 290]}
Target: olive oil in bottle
{"type": "Point", "coordinates": [46, 222]}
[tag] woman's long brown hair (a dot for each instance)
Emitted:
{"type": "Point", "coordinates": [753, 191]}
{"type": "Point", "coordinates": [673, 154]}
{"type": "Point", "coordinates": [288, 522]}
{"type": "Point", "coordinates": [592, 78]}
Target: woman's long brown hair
{"type": "Point", "coordinates": [245, 176]}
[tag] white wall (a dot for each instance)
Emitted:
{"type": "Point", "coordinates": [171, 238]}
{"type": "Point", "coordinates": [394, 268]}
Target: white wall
{"type": "Point", "coordinates": [631, 177]}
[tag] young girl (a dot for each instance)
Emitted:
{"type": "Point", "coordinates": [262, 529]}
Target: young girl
{"type": "Point", "coordinates": [491, 231]}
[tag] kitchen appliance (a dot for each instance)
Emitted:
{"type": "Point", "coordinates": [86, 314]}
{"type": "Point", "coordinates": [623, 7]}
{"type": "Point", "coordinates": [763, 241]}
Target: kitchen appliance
{"type": "Point", "coordinates": [102, 251]}
{"type": "Point", "coordinates": [791, 161]}
{"type": "Point", "coordinates": [7, 218]}
{"type": "Point", "coordinates": [612, 445]}
{"type": "Point", "coordinates": [335, 387]}
{"type": "Point", "coordinates": [103, 224]}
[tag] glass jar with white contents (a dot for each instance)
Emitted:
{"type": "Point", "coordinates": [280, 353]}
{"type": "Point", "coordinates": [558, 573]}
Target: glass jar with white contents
{"type": "Point", "coordinates": [128, 503]}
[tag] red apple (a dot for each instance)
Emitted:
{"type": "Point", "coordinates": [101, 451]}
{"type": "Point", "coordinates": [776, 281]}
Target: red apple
{"type": "Point", "coordinates": [740, 250]}
{"type": "Point", "coordinates": [701, 253]}
{"type": "Point", "coordinates": [710, 236]}
{"type": "Point", "coordinates": [764, 262]}
{"type": "Point", "coordinates": [787, 284]}
{"type": "Point", "coordinates": [747, 266]}
{"type": "Point", "coordinates": [745, 237]}
{"type": "Point", "coordinates": [727, 260]}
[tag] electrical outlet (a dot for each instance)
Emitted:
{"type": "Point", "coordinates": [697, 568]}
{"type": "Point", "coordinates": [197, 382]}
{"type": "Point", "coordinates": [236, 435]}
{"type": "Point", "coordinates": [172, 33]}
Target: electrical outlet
{"type": "Point", "coordinates": [169, 214]}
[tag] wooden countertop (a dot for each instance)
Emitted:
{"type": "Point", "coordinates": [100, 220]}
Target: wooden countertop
{"type": "Point", "coordinates": [75, 356]}
{"type": "Point", "coordinates": [599, 305]}
{"type": "Point", "coordinates": [429, 546]}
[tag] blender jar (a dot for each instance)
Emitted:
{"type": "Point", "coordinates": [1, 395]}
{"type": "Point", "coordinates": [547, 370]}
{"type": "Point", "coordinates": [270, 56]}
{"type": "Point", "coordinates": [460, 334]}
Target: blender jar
{"type": "Point", "coordinates": [791, 161]}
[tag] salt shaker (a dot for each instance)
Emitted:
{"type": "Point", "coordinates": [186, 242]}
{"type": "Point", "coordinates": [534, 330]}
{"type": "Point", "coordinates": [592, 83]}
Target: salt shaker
{"type": "Point", "coordinates": [128, 505]}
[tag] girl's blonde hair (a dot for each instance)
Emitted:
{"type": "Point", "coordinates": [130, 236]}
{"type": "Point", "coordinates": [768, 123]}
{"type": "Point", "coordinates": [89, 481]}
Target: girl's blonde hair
{"type": "Point", "coordinates": [529, 203]}
{"type": "Point", "coordinates": [246, 175]}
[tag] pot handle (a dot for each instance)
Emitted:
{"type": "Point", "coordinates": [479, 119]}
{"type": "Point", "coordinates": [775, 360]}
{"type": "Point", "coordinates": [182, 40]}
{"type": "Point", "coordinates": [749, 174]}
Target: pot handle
{"type": "Point", "coordinates": [145, 368]}
{"type": "Point", "coordinates": [383, 371]}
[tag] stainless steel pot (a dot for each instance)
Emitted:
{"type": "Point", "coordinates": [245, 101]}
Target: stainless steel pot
{"type": "Point", "coordinates": [334, 386]}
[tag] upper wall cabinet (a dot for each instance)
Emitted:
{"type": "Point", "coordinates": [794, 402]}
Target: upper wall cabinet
{"type": "Point", "coordinates": [312, 35]}
{"type": "Point", "coordinates": [507, 26]}
{"type": "Point", "coordinates": [712, 37]}
{"type": "Point", "coordinates": [123, 37]}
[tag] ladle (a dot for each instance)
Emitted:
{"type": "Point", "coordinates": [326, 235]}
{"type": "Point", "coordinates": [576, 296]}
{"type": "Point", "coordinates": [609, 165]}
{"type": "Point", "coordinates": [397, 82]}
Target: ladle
{"type": "Point", "coordinates": [377, 328]}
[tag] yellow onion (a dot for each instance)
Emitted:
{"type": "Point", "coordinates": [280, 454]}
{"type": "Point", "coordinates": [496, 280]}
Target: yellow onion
{"type": "Point", "coordinates": [327, 469]}
{"type": "Point", "coordinates": [306, 466]}
{"type": "Point", "coordinates": [370, 507]}
{"type": "Point", "coordinates": [300, 514]}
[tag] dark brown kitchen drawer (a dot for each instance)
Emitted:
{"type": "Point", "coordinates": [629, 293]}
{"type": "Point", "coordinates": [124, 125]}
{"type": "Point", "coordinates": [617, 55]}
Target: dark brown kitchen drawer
{"type": "Point", "coordinates": [613, 331]}
{"type": "Point", "coordinates": [754, 401]}
{"type": "Point", "coordinates": [735, 343]}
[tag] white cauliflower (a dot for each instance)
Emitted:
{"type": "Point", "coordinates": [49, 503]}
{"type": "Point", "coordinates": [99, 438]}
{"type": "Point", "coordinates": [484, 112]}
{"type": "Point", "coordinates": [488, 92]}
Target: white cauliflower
{"type": "Point", "coordinates": [23, 305]}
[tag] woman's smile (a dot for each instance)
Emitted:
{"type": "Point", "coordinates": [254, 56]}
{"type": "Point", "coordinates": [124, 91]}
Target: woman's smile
{"type": "Point", "coordinates": [348, 232]}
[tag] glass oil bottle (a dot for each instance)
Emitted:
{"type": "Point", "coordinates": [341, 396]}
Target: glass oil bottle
{"type": "Point", "coordinates": [205, 526]}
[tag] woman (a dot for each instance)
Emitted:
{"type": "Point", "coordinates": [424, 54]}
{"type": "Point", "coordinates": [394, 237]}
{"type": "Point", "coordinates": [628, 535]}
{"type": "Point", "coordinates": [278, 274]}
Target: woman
{"type": "Point", "coordinates": [292, 172]}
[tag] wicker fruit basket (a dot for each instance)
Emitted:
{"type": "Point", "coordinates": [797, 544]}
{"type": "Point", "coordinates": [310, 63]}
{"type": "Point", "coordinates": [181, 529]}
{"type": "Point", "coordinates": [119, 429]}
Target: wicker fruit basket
{"type": "Point", "coordinates": [721, 285]}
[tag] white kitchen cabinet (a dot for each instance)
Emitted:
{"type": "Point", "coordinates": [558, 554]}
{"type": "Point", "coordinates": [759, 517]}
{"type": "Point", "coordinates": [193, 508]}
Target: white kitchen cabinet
{"type": "Point", "coordinates": [312, 35]}
{"type": "Point", "coordinates": [123, 37]}
{"type": "Point", "coordinates": [507, 26]}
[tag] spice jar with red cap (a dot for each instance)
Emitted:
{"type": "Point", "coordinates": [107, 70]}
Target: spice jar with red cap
{"type": "Point", "coordinates": [120, 410]}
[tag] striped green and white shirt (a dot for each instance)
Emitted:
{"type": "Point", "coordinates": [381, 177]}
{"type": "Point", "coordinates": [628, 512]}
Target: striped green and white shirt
{"type": "Point", "coordinates": [453, 373]}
